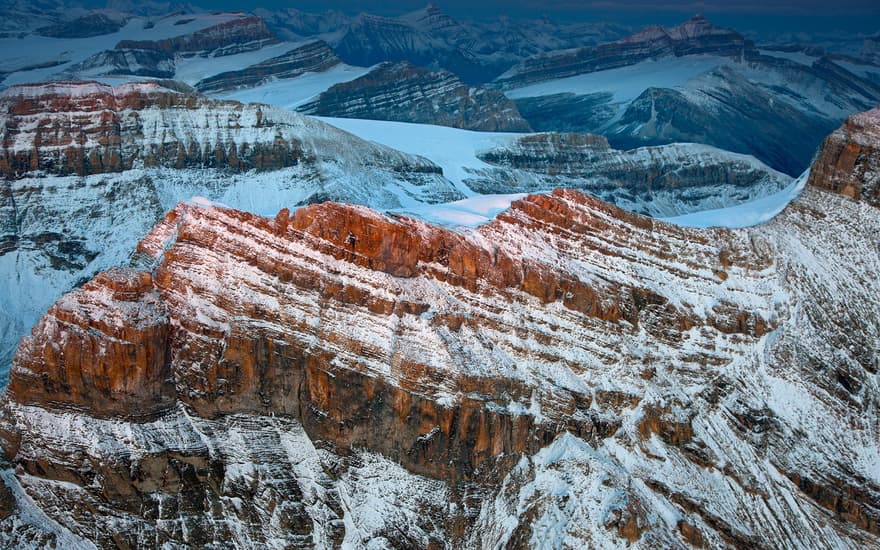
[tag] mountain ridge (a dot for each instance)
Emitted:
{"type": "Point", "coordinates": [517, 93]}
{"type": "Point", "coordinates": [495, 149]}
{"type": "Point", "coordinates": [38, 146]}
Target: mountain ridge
{"type": "Point", "coordinates": [715, 391]}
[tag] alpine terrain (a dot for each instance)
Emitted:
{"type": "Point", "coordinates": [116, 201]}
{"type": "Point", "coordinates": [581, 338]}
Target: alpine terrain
{"type": "Point", "coordinates": [465, 277]}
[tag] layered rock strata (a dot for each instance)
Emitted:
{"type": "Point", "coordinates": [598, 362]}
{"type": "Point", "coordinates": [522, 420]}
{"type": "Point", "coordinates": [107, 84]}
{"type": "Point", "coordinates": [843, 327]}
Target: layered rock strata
{"type": "Point", "coordinates": [569, 373]}
{"type": "Point", "coordinates": [86, 170]}
{"type": "Point", "coordinates": [236, 36]}
{"type": "Point", "coordinates": [405, 93]}
{"type": "Point", "coordinates": [314, 57]}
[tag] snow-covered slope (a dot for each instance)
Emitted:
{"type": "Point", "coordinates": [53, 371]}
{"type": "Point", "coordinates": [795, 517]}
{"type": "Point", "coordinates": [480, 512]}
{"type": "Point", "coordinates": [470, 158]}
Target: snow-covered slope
{"type": "Point", "coordinates": [293, 93]}
{"type": "Point", "coordinates": [659, 181]}
{"type": "Point", "coordinates": [745, 214]}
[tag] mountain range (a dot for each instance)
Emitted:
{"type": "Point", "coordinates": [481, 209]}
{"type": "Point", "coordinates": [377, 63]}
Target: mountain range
{"type": "Point", "coordinates": [568, 374]}
{"type": "Point", "coordinates": [275, 279]}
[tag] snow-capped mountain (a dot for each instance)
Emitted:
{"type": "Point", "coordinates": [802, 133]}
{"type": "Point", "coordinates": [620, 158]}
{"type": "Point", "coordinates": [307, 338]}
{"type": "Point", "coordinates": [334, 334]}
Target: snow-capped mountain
{"type": "Point", "coordinates": [693, 83]}
{"type": "Point", "coordinates": [139, 48]}
{"type": "Point", "coordinates": [694, 37]}
{"type": "Point", "coordinates": [405, 93]}
{"type": "Point", "coordinates": [476, 51]}
{"type": "Point", "coordinates": [699, 83]}
{"type": "Point", "coordinates": [568, 374]}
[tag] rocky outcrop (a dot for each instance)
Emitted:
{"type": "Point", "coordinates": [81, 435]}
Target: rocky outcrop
{"type": "Point", "coordinates": [313, 57]}
{"type": "Point", "coordinates": [565, 358]}
{"type": "Point", "coordinates": [92, 24]}
{"type": "Point", "coordinates": [236, 36]}
{"type": "Point", "coordinates": [660, 181]}
{"type": "Point", "coordinates": [115, 334]}
{"type": "Point", "coordinates": [405, 93]}
{"type": "Point", "coordinates": [693, 37]}
{"type": "Point", "coordinates": [152, 63]}
{"type": "Point", "coordinates": [849, 162]}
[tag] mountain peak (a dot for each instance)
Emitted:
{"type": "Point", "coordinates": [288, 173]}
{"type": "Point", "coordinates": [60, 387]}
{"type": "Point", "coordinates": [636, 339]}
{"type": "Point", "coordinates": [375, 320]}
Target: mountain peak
{"type": "Point", "coordinates": [849, 161]}
{"type": "Point", "coordinates": [698, 26]}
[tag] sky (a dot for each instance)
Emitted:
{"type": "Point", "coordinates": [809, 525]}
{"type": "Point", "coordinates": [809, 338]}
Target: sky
{"type": "Point", "coordinates": [763, 16]}
{"type": "Point", "coordinates": [758, 19]}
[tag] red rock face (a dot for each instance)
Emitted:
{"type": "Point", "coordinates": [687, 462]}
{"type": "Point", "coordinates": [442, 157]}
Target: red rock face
{"type": "Point", "coordinates": [242, 353]}
{"type": "Point", "coordinates": [103, 347]}
{"type": "Point", "coordinates": [849, 162]}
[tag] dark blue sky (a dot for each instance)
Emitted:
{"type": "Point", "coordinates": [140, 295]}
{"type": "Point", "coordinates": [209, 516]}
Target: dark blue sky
{"type": "Point", "coordinates": [858, 16]}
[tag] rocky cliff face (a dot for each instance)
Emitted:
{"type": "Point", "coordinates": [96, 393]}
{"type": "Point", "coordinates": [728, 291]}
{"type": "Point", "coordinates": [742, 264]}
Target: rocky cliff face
{"type": "Point", "coordinates": [695, 36]}
{"type": "Point", "coordinates": [405, 93]}
{"type": "Point", "coordinates": [239, 35]}
{"type": "Point", "coordinates": [134, 62]}
{"type": "Point", "coordinates": [660, 181]}
{"type": "Point", "coordinates": [87, 128]}
{"type": "Point", "coordinates": [90, 128]}
{"type": "Point", "coordinates": [312, 57]}
{"type": "Point", "coordinates": [569, 373]}
{"type": "Point", "coordinates": [849, 162]}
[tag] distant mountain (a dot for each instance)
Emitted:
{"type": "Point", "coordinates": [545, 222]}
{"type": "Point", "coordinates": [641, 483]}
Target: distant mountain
{"type": "Point", "coordinates": [92, 24]}
{"type": "Point", "coordinates": [695, 36]}
{"type": "Point", "coordinates": [402, 92]}
{"type": "Point", "coordinates": [476, 51]}
{"type": "Point", "coordinates": [314, 56]}
{"type": "Point", "coordinates": [236, 36]}
{"type": "Point", "coordinates": [697, 83]}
